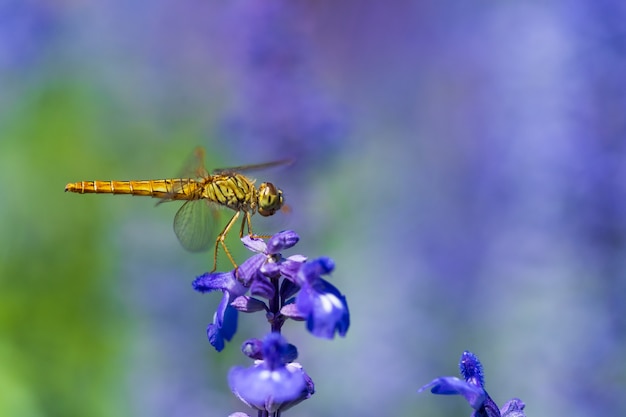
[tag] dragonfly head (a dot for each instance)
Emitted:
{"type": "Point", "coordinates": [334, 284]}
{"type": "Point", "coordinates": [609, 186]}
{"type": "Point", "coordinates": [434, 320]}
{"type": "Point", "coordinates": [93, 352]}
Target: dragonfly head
{"type": "Point", "coordinates": [270, 199]}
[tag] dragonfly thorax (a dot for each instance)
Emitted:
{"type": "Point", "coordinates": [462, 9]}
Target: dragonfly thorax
{"type": "Point", "coordinates": [270, 199]}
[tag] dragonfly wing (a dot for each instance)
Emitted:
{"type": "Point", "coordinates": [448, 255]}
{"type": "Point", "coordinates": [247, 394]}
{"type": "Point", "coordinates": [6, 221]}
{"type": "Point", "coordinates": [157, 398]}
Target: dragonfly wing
{"type": "Point", "coordinates": [194, 225]}
{"type": "Point", "coordinates": [192, 169]}
{"type": "Point", "coordinates": [254, 167]}
{"type": "Point", "coordinates": [194, 165]}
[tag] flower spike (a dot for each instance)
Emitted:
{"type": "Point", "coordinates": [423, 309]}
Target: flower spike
{"type": "Point", "coordinates": [472, 388]}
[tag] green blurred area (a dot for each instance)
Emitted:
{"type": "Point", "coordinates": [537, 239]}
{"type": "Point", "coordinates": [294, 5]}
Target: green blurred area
{"type": "Point", "coordinates": [63, 327]}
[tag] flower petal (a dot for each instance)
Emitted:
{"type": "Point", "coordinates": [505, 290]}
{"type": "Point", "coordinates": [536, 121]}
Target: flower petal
{"type": "Point", "coordinates": [224, 324]}
{"type": "Point", "coordinates": [262, 287]}
{"type": "Point", "coordinates": [248, 269]}
{"type": "Point", "coordinates": [217, 334]}
{"type": "Point", "coordinates": [289, 267]}
{"type": "Point", "coordinates": [215, 337]}
{"type": "Point", "coordinates": [450, 385]}
{"type": "Point", "coordinates": [266, 389]}
{"type": "Point", "coordinates": [254, 244]}
{"type": "Point", "coordinates": [253, 348]}
{"type": "Point", "coordinates": [291, 311]}
{"type": "Point", "coordinates": [288, 289]}
{"type": "Point", "coordinates": [282, 240]}
{"type": "Point", "coordinates": [270, 269]}
{"type": "Point", "coordinates": [224, 281]}
{"type": "Point", "coordinates": [513, 408]}
{"type": "Point", "coordinates": [247, 304]}
{"type": "Point", "coordinates": [312, 270]}
{"type": "Point", "coordinates": [325, 308]}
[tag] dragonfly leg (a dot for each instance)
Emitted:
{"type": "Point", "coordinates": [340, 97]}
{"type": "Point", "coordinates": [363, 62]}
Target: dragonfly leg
{"type": "Point", "coordinates": [252, 235]}
{"type": "Point", "coordinates": [220, 240]}
{"type": "Point", "coordinates": [246, 220]}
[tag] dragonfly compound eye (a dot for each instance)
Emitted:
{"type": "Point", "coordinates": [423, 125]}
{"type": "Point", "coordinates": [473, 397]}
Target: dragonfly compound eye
{"type": "Point", "coordinates": [270, 199]}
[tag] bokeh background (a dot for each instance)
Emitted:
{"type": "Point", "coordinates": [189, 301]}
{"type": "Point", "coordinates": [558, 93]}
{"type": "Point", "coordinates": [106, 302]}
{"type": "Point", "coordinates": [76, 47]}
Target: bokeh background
{"type": "Point", "coordinates": [462, 162]}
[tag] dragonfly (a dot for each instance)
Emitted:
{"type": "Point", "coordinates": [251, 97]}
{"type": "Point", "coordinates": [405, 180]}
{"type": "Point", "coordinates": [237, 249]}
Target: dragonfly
{"type": "Point", "coordinates": [203, 194]}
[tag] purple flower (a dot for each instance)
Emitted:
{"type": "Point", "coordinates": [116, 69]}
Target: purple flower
{"type": "Point", "coordinates": [319, 302]}
{"type": "Point", "coordinates": [472, 388]}
{"type": "Point", "coordinates": [224, 323]}
{"type": "Point", "coordinates": [268, 262]}
{"type": "Point", "coordinates": [271, 384]}
{"type": "Point", "coordinates": [254, 275]}
{"type": "Point", "coordinates": [268, 275]}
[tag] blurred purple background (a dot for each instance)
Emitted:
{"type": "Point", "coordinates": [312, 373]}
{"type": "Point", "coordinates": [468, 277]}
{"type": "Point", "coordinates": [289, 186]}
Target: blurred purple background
{"type": "Point", "coordinates": [463, 164]}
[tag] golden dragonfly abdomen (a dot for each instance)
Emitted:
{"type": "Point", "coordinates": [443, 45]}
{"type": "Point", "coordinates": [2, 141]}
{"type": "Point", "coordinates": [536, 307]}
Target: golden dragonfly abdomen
{"type": "Point", "coordinates": [170, 189]}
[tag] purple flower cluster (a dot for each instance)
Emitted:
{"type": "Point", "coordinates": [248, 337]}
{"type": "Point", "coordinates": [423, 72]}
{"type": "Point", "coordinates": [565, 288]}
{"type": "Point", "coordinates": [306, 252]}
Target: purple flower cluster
{"type": "Point", "coordinates": [293, 288]}
{"type": "Point", "coordinates": [283, 288]}
{"type": "Point", "coordinates": [472, 387]}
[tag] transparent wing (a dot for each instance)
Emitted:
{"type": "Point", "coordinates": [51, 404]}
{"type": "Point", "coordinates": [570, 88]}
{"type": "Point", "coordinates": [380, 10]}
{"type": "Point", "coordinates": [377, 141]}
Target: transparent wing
{"type": "Point", "coordinates": [194, 165]}
{"type": "Point", "coordinates": [194, 225]}
{"type": "Point", "coordinates": [254, 167]}
{"type": "Point", "coordinates": [192, 169]}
